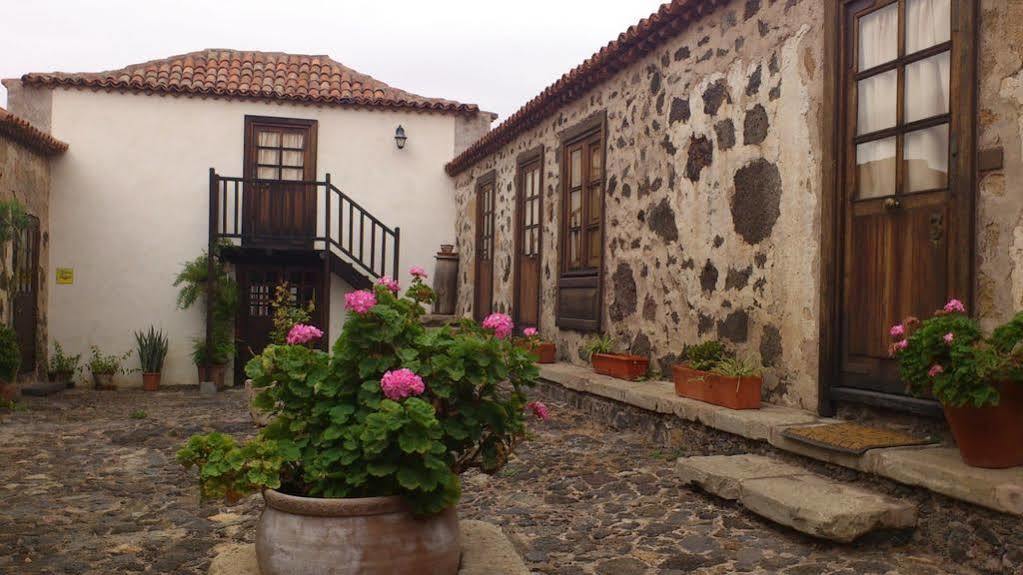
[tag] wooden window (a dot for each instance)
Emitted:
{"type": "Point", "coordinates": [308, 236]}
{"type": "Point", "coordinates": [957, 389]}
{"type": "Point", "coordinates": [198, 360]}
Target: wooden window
{"type": "Point", "coordinates": [484, 285]}
{"type": "Point", "coordinates": [582, 225]}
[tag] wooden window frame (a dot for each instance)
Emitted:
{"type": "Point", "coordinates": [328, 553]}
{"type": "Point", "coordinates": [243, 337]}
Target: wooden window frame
{"type": "Point", "coordinates": [524, 160]}
{"type": "Point", "coordinates": [250, 153]}
{"type": "Point", "coordinates": [962, 184]}
{"type": "Point", "coordinates": [488, 178]}
{"type": "Point", "coordinates": [585, 278]}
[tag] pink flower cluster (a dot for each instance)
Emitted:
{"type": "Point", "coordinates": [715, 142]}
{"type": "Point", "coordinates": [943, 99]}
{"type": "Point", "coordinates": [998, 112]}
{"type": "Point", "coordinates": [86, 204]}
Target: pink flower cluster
{"type": "Point", "coordinates": [417, 272]}
{"type": "Point", "coordinates": [529, 332]}
{"type": "Point", "coordinates": [500, 324]}
{"type": "Point", "coordinates": [360, 301]}
{"type": "Point", "coordinates": [389, 283]}
{"type": "Point", "coordinates": [301, 334]}
{"type": "Point", "coordinates": [955, 306]}
{"type": "Point", "coordinates": [949, 338]}
{"type": "Point", "coordinates": [401, 383]}
{"type": "Point", "coordinates": [935, 370]}
{"type": "Point", "coordinates": [539, 410]}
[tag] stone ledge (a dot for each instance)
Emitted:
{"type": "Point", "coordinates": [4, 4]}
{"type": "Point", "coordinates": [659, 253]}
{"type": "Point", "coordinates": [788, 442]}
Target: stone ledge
{"type": "Point", "coordinates": [485, 551]}
{"type": "Point", "coordinates": [939, 469]}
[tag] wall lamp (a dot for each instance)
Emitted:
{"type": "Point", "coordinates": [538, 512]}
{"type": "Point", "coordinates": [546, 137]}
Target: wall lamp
{"type": "Point", "coordinates": [400, 137]}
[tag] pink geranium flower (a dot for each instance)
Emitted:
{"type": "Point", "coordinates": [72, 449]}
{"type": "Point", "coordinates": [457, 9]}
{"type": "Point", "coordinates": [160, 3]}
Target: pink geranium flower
{"type": "Point", "coordinates": [949, 338]}
{"type": "Point", "coordinates": [529, 332]}
{"type": "Point", "coordinates": [897, 330]}
{"type": "Point", "coordinates": [935, 370]}
{"type": "Point", "coordinates": [898, 346]}
{"type": "Point", "coordinates": [417, 272]}
{"type": "Point", "coordinates": [360, 301]}
{"type": "Point", "coordinates": [301, 334]}
{"type": "Point", "coordinates": [389, 283]}
{"type": "Point", "coordinates": [401, 383]}
{"type": "Point", "coordinates": [955, 306]}
{"type": "Point", "coordinates": [500, 324]}
{"type": "Point", "coordinates": [539, 410]}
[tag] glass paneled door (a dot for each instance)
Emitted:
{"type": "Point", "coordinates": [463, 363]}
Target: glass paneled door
{"type": "Point", "coordinates": [903, 221]}
{"type": "Point", "coordinates": [528, 235]}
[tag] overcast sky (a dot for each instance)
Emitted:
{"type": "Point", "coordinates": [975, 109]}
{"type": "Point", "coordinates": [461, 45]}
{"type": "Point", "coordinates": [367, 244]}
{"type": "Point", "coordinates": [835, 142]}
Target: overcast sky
{"type": "Point", "coordinates": [497, 54]}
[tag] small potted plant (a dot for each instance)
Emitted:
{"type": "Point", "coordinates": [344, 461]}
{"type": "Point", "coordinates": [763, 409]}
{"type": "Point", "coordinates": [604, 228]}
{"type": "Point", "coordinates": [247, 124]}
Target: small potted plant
{"type": "Point", "coordinates": [211, 362]}
{"type": "Point", "coordinates": [977, 378]}
{"type": "Point", "coordinates": [104, 367]}
{"type": "Point", "coordinates": [713, 374]}
{"type": "Point", "coordinates": [365, 445]}
{"type": "Point", "coordinates": [605, 361]}
{"type": "Point", "coordinates": [543, 351]}
{"type": "Point", "coordinates": [10, 361]}
{"type": "Point", "coordinates": [152, 350]}
{"type": "Point", "coordinates": [63, 367]}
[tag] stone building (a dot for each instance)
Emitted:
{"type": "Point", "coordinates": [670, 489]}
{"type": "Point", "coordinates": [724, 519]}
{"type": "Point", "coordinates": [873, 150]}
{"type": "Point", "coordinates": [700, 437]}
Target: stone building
{"type": "Point", "coordinates": [791, 177]}
{"type": "Point", "coordinates": [25, 153]}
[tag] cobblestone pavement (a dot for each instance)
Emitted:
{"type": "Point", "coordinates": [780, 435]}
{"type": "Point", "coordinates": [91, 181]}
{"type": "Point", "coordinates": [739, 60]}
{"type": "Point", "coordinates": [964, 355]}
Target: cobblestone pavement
{"type": "Point", "coordinates": [89, 485]}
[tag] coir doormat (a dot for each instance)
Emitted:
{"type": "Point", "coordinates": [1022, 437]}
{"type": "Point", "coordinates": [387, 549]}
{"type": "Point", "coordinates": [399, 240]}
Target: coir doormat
{"type": "Point", "coordinates": [851, 437]}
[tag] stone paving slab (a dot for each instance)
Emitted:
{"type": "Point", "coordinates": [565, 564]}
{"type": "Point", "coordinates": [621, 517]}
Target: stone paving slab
{"type": "Point", "coordinates": [791, 496]}
{"type": "Point", "coordinates": [485, 551]}
{"type": "Point", "coordinates": [938, 469]}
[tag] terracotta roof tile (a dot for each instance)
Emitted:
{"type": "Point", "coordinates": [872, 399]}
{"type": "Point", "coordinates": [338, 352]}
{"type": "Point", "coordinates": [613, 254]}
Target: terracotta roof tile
{"type": "Point", "coordinates": [19, 130]}
{"type": "Point", "coordinates": [262, 75]}
{"type": "Point", "coordinates": [635, 43]}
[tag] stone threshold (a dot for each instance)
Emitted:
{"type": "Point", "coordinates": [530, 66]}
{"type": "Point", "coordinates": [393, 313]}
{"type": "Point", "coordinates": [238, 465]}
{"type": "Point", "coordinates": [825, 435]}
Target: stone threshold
{"type": "Point", "coordinates": [936, 468]}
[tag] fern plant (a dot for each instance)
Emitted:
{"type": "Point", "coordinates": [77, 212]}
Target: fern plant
{"type": "Point", "coordinates": [152, 349]}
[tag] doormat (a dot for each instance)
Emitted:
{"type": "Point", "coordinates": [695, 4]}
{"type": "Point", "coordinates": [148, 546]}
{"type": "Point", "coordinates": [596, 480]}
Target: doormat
{"type": "Point", "coordinates": [851, 438]}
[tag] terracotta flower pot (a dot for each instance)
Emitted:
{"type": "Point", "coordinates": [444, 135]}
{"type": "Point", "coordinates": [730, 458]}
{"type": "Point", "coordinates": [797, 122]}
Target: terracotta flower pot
{"type": "Point", "coordinates": [364, 536]}
{"type": "Point", "coordinates": [543, 352]}
{"type": "Point", "coordinates": [215, 373]}
{"type": "Point", "coordinates": [8, 390]}
{"type": "Point", "coordinates": [730, 392]}
{"type": "Point", "coordinates": [151, 381]}
{"type": "Point", "coordinates": [103, 381]}
{"type": "Point", "coordinates": [629, 367]}
{"type": "Point", "coordinates": [990, 436]}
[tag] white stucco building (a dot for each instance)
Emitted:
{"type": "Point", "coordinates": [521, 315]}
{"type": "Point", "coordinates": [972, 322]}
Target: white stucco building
{"type": "Point", "coordinates": [131, 200]}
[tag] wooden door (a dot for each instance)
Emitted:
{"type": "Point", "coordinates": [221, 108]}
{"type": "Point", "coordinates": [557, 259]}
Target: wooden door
{"type": "Point", "coordinates": [277, 209]}
{"type": "Point", "coordinates": [906, 191]}
{"type": "Point", "coordinates": [528, 234]}
{"type": "Point", "coordinates": [484, 284]}
{"type": "Point", "coordinates": [25, 300]}
{"type": "Point", "coordinates": [258, 284]}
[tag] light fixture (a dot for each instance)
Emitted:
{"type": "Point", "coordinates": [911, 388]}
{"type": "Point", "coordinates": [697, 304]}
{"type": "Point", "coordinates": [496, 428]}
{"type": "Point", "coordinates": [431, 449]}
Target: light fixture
{"type": "Point", "coordinates": [399, 137]}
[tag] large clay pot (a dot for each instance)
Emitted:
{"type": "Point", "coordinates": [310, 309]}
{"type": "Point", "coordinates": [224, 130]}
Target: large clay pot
{"type": "Point", "coordinates": [991, 436]}
{"type": "Point", "coordinates": [8, 390]}
{"type": "Point", "coordinates": [217, 373]}
{"type": "Point", "coordinates": [364, 536]}
{"type": "Point", "coordinates": [622, 366]}
{"type": "Point", "coordinates": [103, 381]}
{"type": "Point", "coordinates": [723, 390]}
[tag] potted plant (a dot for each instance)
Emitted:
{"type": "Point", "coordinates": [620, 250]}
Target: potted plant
{"type": "Point", "coordinates": [193, 287]}
{"type": "Point", "coordinates": [10, 361]}
{"type": "Point", "coordinates": [713, 374]}
{"type": "Point", "coordinates": [104, 367]}
{"type": "Point", "coordinates": [152, 349]}
{"type": "Point", "coordinates": [542, 351]}
{"type": "Point", "coordinates": [977, 378]}
{"type": "Point", "coordinates": [359, 463]}
{"type": "Point", "coordinates": [63, 367]}
{"type": "Point", "coordinates": [605, 361]}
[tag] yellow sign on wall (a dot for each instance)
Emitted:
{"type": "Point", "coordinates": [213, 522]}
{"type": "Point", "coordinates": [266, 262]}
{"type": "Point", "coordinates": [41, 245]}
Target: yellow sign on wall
{"type": "Point", "coordinates": [65, 276]}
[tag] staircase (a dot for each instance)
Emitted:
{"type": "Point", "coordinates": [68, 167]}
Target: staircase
{"type": "Point", "coordinates": [303, 216]}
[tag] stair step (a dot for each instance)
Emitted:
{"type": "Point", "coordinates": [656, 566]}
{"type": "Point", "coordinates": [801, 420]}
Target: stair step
{"type": "Point", "coordinates": [792, 496]}
{"type": "Point", "coordinates": [43, 388]}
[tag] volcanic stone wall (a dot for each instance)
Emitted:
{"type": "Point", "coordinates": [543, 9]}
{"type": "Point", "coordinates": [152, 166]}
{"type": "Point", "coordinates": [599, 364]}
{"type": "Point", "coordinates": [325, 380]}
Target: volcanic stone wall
{"type": "Point", "coordinates": [713, 183]}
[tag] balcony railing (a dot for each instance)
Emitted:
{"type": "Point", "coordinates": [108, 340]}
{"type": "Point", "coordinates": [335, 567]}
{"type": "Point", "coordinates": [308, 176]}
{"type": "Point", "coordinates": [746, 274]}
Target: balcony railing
{"type": "Point", "coordinates": [301, 215]}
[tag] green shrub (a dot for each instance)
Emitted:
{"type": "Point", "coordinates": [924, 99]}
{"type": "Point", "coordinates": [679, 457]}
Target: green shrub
{"type": "Point", "coordinates": [152, 349]}
{"type": "Point", "coordinates": [600, 344]}
{"type": "Point", "coordinates": [340, 427]}
{"type": "Point", "coordinates": [105, 364]}
{"type": "Point", "coordinates": [705, 356]}
{"type": "Point", "coordinates": [10, 354]}
{"type": "Point", "coordinates": [63, 363]}
{"type": "Point", "coordinates": [287, 313]}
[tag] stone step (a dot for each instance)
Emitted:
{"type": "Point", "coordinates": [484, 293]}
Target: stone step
{"type": "Point", "coordinates": [792, 496]}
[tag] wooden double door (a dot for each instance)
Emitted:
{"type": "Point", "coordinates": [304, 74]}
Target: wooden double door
{"type": "Point", "coordinates": [278, 209]}
{"type": "Point", "coordinates": [906, 180]}
{"type": "Point", "coordinates": [257, 284]}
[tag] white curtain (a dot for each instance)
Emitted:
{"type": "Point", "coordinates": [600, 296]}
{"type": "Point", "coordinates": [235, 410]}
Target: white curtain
{"type": "Point", "coordinates": [926, 95]}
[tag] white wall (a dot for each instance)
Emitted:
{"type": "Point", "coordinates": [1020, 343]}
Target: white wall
{"type": "Point", "coordinates": [129, 203]}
